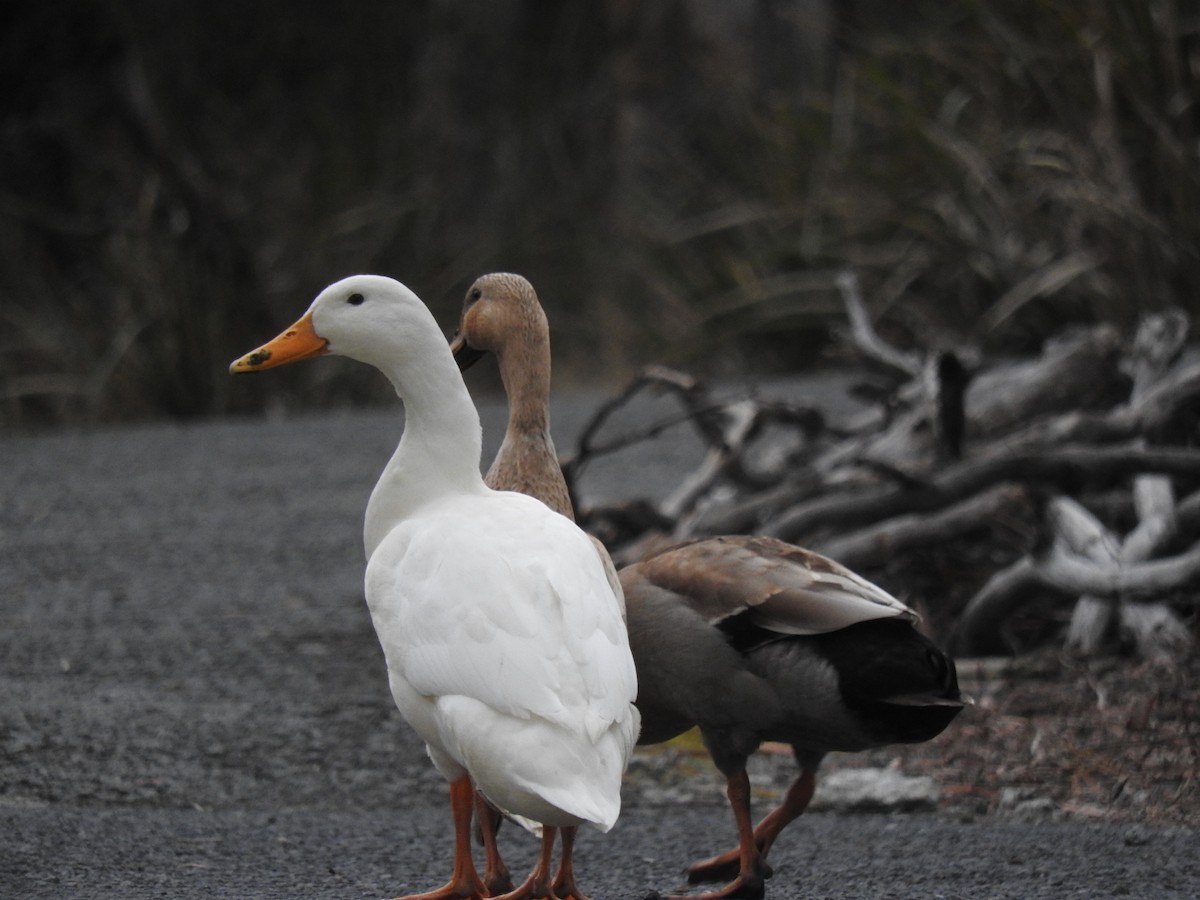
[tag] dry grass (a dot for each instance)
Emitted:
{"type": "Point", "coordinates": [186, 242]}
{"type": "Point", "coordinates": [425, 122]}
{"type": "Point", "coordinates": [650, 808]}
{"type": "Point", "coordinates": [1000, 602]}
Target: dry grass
{"type": "Point", "coordinates": [1049, 737]}
{"type": "Point", "coordinates": [1109, 739]}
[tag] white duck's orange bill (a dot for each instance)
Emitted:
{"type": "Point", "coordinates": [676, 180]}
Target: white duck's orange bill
{"type": "Point", "coordinates": [299, 342]}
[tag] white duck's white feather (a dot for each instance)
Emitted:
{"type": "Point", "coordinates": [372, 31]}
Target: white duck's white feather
{"type": "Point", "coordinates": [503, 638]}
{"type": "Point", "coordinates": [519, 603]}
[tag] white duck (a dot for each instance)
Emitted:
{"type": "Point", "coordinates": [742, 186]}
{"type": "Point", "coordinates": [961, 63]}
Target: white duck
{"type": "Point", "coordinates": [748, 638]}
{"type": "Point", "coordinates": [503, 637]}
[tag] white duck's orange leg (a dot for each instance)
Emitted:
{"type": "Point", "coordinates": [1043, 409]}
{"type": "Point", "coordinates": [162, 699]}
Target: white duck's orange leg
{"type": "Point", "coordinates": [537, 886]}
{"type": "Point", "coordinates": [464, 883]}
{"type": "Point", "coordinates": [565, 885]}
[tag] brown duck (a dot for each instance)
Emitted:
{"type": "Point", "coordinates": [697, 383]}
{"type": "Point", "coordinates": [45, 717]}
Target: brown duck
{"type": "Point", "coordinates": [750, 639]}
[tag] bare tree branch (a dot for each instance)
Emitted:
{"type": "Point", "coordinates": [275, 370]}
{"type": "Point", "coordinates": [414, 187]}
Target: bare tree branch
{"type": "Point", "coordinates": [1069, 466]}
{"type": "Point", "coordinates": [863, 333]}
{"type": "Point", "coordinates": [875, 544]}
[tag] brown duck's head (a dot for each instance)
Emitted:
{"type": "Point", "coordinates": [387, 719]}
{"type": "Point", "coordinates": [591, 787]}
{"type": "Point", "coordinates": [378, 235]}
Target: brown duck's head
{"type": "Point", "coordinates": [499, 308]}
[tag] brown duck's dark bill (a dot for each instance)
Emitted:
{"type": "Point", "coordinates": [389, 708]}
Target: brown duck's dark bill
{"type": "Point", "coordinates": [464, 354]}
{"type": "Point", "coordinates": [299, 342]}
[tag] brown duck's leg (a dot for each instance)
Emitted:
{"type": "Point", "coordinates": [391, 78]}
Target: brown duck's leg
{"type": "Point", "coordinates": [537, 885]}
{"type": "Point", "coordinates": [752, 871]}
{"type": "Point", "coordinates": [464, 883]}
{"type": "Point", "coordinates": [565, 885]}
{"type": "Point", "coordinates": [496, 876]}
{"type": "Point", "coordinates": [726, 865]}
{"type": "Point", "coordinates": [795, 801]}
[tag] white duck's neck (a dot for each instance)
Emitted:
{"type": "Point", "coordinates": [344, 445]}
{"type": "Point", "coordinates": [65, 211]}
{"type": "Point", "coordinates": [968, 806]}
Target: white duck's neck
{"type": "Point", "coordinates": [439, 451]}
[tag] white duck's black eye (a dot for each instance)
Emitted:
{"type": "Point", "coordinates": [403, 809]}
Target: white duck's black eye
{"type": "Point", "coordinates": [355, 299]}
{"type": "Point", "coordinates": [476, 293]}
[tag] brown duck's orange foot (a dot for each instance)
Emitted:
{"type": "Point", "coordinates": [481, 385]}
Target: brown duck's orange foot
{"type": "Point", "coordinates": [752, 886]}
{"type": "Point", "coordinates": [496, 877]}
{"type": "Point", "coordinates": [722, 868]}
{"type": "Point", "coordinates": [498, 882]}
{"type": "Point", "coordinates": [495, 873]}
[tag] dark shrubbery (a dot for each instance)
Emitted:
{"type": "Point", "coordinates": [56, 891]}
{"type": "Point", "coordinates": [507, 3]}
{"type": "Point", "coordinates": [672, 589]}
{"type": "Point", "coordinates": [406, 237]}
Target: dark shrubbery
{"type": "Point", "coordinates": [178, 181]}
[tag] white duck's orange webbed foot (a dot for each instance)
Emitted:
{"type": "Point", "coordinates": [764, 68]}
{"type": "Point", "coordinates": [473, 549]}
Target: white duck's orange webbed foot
{"type": "Point", "coordinates": [538, 886]}
{"type": "Point", "coordinates": [451, 891]}
{"type": "Point", "coordinates": [568, 890]}
{"type": "Point", "coordinates": [564, 885]}
{"type": "Point", "coordinates": [531, 889]}
{"type": "Point", "coordinates": [464, 883]}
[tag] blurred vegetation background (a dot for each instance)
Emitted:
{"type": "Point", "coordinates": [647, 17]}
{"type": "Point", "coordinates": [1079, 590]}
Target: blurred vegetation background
{"type": "Point", "coordinates": [681, 179]}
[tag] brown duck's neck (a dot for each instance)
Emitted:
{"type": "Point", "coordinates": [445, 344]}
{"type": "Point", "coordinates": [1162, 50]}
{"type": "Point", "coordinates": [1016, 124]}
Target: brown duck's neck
{"type": "Point", "coordinates": [529, 465]}
{"type": "Point", "coordinates": [527, 461]}
{"type": "Point", "coordinates": [525, 372]}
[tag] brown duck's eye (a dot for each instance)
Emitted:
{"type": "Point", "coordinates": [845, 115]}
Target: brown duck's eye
{"type": "Point", "coordinates": [476, 293]}
{"type": "Point", "coordinates": [355, 299]}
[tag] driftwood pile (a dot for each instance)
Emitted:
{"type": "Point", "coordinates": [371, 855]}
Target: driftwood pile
{"type": "Point", "coordinates": [1066, 482]}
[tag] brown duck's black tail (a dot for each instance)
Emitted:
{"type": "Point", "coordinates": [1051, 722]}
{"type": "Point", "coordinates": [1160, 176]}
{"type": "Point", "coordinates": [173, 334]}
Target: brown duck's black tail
{"type": "Point", "coordinates": [896, 678]}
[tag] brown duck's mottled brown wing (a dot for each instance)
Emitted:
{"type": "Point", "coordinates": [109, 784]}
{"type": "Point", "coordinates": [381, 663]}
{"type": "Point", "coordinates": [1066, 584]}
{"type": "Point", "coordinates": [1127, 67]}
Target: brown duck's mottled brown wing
{"type": "Point", "coordinates": [787, 589]}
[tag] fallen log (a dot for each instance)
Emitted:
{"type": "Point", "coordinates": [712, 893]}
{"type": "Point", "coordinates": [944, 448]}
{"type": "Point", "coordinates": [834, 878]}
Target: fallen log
{"type": "Point", "coordinates": [875, 544]}
{"type": "Point", "coordinates": [1068, 468]}
{"type": "Point", "coordinates": [1085, 561]}
{"type": "Point", "coordinates": [1154, 629]}
{"type": "Point", "coordinates": [949, 449]}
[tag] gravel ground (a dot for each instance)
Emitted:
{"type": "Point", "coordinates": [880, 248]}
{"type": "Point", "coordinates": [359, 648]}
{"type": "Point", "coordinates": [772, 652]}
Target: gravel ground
{"type": "Point", "coordinates": [194, 703]}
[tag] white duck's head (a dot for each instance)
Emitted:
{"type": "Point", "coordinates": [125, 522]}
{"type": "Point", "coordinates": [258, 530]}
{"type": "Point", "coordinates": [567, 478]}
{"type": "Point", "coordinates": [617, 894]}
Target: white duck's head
{"type": "Point", "coordinates": [369, 318]}
{"type": "Point", "coordinates": [380, 322]}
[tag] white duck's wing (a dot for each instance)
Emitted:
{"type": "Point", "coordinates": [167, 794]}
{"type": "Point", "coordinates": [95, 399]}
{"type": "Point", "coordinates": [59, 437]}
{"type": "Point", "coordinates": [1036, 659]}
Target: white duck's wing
{"type": "Point", "coordinates": [465, 605]}
{"type": "Point", "coordinates": [785, 588]}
